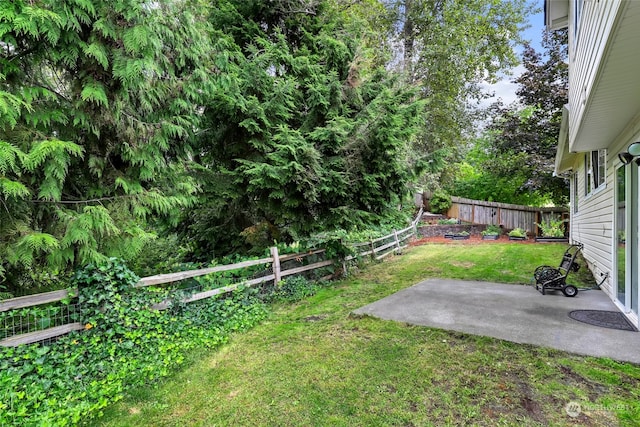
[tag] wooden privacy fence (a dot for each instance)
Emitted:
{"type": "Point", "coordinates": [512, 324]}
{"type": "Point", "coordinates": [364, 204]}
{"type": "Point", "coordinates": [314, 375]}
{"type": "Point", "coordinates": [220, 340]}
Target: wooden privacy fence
{"type": "Point", "coordinates": [376, 248]}
{"type": "Point", "coordinates": [508, 215]}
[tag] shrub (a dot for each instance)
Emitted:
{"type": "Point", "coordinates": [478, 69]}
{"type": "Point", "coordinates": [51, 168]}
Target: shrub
{"type": "Point", "coordinates": [292, 289]}
{"type": "Point", "coordinates": [159, 255]}
{"type": "Point", "coordinates": [492, 230]}
{"type": "Point", "coordinates": [440, 202]}
{"type": "Point", "coordinates": [552, 228]}
{"type": "Point", "coordinates": [4, 294]}
{"type": "Point", "coordinates": [334, 242]}
{"type": "Point", "coordinates": [517, 232]}
{"type": "Point", "coordinates": [448, 221]}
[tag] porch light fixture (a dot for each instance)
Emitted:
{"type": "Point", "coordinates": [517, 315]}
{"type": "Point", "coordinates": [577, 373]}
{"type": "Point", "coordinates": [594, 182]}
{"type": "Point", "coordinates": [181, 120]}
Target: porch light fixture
{"type": "Point", "coordinates": [625, 157]}
{"type": "Point", "coordinates": [633, 151]}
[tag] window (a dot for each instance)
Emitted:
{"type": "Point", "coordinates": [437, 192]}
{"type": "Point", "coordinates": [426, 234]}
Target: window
{"type": "Point", "coordinates": [587, 174]}
{"type": "Point", "coordinates": [599, 163]}
{"type": "Point", "coordinates": [595, 170]}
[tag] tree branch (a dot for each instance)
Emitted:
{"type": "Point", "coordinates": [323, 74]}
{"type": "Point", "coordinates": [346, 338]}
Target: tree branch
{"type": "Point", "coordinates": [77, 202]}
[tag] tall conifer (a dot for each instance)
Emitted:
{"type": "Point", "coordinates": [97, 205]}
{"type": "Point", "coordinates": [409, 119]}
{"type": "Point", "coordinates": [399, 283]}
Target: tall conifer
{"type": "Point", "coordinates": [97, 101]}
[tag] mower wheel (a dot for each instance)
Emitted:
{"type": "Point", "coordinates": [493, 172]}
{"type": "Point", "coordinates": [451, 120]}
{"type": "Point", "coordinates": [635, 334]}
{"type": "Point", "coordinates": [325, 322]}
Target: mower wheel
{"type": "Point", "coordinates": [570, 291]}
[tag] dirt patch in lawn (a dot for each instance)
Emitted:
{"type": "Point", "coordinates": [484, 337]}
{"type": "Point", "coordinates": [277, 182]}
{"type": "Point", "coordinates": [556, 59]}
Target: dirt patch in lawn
{"type": "Point", "coordinates": [464, 264]}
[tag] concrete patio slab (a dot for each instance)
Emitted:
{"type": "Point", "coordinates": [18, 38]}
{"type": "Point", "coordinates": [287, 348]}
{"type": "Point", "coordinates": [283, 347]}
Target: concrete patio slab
{"type": "Point", "coordinates": [514, 313]}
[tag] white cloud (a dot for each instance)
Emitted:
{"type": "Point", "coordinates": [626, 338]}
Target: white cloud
{"type": "Point", "coordinates": [503, 88]}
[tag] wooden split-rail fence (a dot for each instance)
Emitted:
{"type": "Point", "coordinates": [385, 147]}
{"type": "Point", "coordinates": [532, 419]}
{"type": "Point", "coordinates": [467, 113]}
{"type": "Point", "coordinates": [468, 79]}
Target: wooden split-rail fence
{"type": "Point", "coordinates": [376, 249]}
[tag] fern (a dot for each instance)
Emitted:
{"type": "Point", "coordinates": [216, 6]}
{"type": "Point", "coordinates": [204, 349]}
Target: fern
{"type": "Point", "coordinates": [128, 186]}
{"type": "Point", "coordinates": [100, 221]}
{"type": "Point", "coordinates": [29, 20]}
{"type": "Point", "coordinates": [53, 157]}
{"type": "Point", "coordinates": [136, 39]}
{"type": "Point", "coordinates": [105, 28]}
{"type": "Point", "coordinates": [129, 243]}
{"type": "Point", "coordinates": [98, 52]}
{"type": "Point", "coordinates": [11, 158]}
{"type": "Point", "coordinates": [78, 234]}
{"type": "Point", "coordinates": [88, 229]}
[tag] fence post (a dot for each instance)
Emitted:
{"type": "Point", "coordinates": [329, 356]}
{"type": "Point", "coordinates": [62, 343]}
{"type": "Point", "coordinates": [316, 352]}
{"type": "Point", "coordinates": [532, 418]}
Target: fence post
{"type": "Point", "coordinates": [344, 261]}
{"type": "Point", "coordinates": [395, 236]}
{"type": "Point", "coordinates": [276, 265]}
{"type": "Point", "coordinates": [416, 221]}
{"type": "Point", "coordinates": [373, 249]}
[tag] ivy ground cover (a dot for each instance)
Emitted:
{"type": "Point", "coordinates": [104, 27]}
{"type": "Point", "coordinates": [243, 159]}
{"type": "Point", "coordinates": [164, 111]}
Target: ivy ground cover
{"type": "Point", "coordinates": [312, 363]}
{"type": "Point", "coordinates": [124, 345]}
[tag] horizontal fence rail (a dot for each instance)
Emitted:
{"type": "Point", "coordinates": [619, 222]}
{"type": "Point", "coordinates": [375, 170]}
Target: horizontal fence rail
{"type": "Point", "coordinates": [45, 334]}
{"type": "Point", "coordinates": [37, 299]}
{"type": "Point", "coordinates": [386, 245]}
{"type": "Point", "coordinates": [375, 248]}
{"type": "Point", "coordinates": [174, 277]}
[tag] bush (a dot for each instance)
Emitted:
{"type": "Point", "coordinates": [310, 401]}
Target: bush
{"type": "Point", "coordinates": [517, 232]}
{"type": "Point", "coordinates": [492, 230]}
{"type": "Point", "coordinates": [440, 202]}
{"type": "Point", "coordinates": [159, 255]}
{"type": "Point", "coordinates": [552, 228]}
{"type": "Point", "coordinates": [448, 221]}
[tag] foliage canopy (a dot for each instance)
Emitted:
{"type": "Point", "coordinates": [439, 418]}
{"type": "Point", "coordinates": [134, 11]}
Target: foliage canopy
{"type": "Point", "coordinates": [513, 160]}
{"type": "Point", "coordinates": [227, 124]}
{"type": "Point", "coordinates": [306, 136]}
{"type": "Point", "coordinates": [97, 100]}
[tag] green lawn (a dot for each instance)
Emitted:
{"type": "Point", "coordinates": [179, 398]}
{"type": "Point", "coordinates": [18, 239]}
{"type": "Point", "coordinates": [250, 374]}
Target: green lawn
{"type": "Point", "coordinates": [312, 363]}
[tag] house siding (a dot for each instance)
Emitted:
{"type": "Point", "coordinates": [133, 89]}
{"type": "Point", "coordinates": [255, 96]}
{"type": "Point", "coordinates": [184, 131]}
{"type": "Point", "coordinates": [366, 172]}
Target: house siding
{"type": "Point", "coordinates": [594, 223]}
{"type": "Point", "coordinates": [604, 94]}
{"type": "Point", "coordinates": [586, 54]}
{"type": "Point", "coordinates": [603, 113]}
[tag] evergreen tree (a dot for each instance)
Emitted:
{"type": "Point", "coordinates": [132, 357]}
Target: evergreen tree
{"type": "Point", "coordinates": [306, 136]}
{"type": "Point", "coordinates": [98, 99]}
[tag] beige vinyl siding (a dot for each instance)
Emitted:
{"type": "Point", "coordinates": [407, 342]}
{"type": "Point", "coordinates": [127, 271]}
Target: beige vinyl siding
{"type": "Point", "coordinates": [596, 23]}
{"type": "Point", "coordinates": [603, 112]}
{"type": "Point", "coordinates": [593, 224]}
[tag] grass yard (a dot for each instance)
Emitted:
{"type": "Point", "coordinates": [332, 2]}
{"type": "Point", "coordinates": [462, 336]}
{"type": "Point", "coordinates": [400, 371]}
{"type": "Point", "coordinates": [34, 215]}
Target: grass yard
{"type": "Point", "coordinates": [313, 364]}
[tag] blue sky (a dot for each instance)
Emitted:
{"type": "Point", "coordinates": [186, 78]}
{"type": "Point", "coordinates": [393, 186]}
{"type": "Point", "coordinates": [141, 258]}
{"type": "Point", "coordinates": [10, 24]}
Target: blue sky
{"type": "Point", "coordinates": [505, 89]}
{"type": "Point", "coordinates": [534, 32]}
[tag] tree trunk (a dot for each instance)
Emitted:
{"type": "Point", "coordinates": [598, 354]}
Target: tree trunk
{"type": "Point", "coordinates": [408, 37]}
